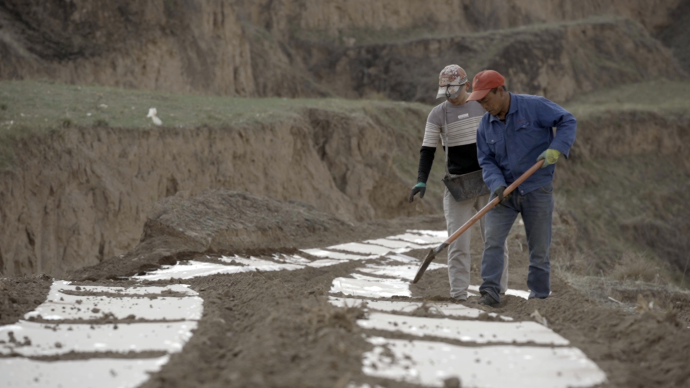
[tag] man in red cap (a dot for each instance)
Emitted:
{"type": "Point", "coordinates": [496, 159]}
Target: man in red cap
{"type": "Point", "coordinates": [454, 122]}
{"type": "Point", "coordinates": [517, 131]}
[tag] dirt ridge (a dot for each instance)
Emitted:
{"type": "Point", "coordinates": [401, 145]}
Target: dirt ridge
{"type": "Point", "coordinates": [287, 48]}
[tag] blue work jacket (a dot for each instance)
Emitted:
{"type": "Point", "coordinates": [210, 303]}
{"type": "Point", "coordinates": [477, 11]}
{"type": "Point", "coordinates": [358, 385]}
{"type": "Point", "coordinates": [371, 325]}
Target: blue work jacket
{"type": "Point", "coordinates": [506, 150]}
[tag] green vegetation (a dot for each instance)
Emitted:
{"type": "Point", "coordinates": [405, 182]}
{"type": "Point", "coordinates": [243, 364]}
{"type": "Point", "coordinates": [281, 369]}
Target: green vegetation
{"type": "Point", "coordinates": [35, 107]}
{"type": "Point", "coordinates": [661, 96]}
{"type": "Point", "coordinates": [44, 105]}
{"type": "Point", "coordinates": [633, 208]}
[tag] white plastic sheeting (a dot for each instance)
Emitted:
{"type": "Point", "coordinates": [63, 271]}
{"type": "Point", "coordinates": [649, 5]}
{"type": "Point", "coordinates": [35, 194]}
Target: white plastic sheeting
{"type": "Point", "coordinates": [369, 286]}
{"type": "Point", "coordinates": [420, 239]}
{"type": "Point", "coordinates": [100, 372]}
{"type": "Point", "coordinates": [62, 285]}
{"type": "Point", "coordinates": [41, 339]}
{"type": "Point", "coordinates": [192, 269]}
{"type": "Point", "coordinates": [480, 332]}
{"type": "Point", "coordinates": [325, 263]}
{"type": "Point", "coordinates": [397, 245]}
{"type": "Point", "coordinates": [95, 307]}
{"type": "Point", "coordinates": [447, 309]}
{"type": "Point", "coordinates": [434, 233]}
{"type": "Point", "coordinates": [291, 259]}
{"type": "Point", "coordinates": [337, 255]}
{"type": "Point", "coordinates": [399, 257]}
{"type": "Point", "coordinates": [263, 265]}
{"type": "Point", "coordinates": [35, 339]}
{"type": "Point", "coordinates": [429, 363]}
{"type": "Point", "coordinates": [405, 272]}
{"type": "Point", "coordinates": [365, 249]}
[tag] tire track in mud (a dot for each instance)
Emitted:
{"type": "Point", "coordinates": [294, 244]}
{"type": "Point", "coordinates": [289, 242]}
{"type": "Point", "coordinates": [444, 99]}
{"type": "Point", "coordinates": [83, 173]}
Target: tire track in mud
{"type": "Point", "coordinates": [117, 336]}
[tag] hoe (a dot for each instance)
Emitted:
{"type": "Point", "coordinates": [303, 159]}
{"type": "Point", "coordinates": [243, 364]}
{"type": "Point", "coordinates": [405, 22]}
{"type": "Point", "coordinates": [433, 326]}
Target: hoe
{"type": "Point", "coordinates": [432, 253]}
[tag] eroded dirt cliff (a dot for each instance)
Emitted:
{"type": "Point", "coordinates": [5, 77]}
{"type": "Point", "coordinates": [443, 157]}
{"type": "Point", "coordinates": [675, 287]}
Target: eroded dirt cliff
{"type": "Point", "coordinates": [559, 61]}
{"type": "Point", "coordinates": [77, 196]}
{"type": "Point", "coordinates": [301, 48]}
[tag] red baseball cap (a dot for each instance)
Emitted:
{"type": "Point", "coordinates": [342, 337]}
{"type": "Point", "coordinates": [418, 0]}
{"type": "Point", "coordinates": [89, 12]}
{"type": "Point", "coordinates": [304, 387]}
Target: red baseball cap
{"type": "Point", "coordinates": [483, 82]}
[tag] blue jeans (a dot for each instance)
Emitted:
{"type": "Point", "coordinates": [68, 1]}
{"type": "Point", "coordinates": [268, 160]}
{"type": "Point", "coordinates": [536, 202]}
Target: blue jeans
{"type": "Point", "coordinates": [536, 208]}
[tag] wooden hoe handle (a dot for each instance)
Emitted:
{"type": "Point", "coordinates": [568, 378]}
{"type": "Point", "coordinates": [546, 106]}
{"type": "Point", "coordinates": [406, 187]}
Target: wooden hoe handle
{"type": "Point", "coordinates": [432, 254]}
{"type": "Point", "coordinates": [494, 202]}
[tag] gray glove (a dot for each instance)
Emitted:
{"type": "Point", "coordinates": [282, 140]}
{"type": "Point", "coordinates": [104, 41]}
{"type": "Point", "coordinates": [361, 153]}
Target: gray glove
{"type": "Point", "coordinates": [499, 193]}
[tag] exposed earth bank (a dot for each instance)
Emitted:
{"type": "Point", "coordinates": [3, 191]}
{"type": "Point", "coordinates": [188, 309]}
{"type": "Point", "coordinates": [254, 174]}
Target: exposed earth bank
{"type": "Point", "coordinates": [305, 48]}
{"type": "Point", "coordinates": [78, 196]}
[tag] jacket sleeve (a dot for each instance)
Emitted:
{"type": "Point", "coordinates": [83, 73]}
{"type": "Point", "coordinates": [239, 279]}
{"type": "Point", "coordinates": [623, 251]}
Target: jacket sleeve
{"type": "Point", "coordinates": [493, 177]}
{"type": "Point", "coordinates": [553, 115]}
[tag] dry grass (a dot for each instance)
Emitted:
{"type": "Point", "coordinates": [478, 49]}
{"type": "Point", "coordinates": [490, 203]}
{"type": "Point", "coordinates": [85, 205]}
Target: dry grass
{"type": "Point", "coordinates": [633, 266]}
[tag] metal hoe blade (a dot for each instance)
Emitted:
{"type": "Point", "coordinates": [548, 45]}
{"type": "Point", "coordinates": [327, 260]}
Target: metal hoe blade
{"type": "Point", "coordinates": [427, 260]}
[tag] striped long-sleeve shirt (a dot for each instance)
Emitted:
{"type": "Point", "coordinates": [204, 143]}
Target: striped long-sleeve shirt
{"type": "Point", "coordinates": [463, 121]}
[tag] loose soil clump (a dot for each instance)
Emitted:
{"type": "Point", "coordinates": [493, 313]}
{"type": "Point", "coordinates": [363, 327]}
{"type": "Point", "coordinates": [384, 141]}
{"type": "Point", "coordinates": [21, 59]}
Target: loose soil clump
{"type": "Point", "coordinates": [18, 296]}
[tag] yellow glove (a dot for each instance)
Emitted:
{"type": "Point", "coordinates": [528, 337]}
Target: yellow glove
{"type": "Point", "coordinates": [550, 157]}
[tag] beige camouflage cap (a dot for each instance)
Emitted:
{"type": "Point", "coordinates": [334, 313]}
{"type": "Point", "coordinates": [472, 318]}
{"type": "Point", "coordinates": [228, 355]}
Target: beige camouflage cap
{"type": "Point", "coordinates": [452, 75]}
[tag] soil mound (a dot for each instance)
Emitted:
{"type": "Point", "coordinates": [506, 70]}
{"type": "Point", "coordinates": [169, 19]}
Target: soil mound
{"type": "Point", "coordinates": [231, 222]}
{"type": "Point", "coordinates": [20, 295]}
{"type": "Point", "coordinates": [218, 221]}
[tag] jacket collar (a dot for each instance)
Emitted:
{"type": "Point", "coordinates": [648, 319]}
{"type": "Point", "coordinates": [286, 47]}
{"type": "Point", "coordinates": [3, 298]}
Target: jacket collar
{"type": "Point", "coordinates": [512, 109]}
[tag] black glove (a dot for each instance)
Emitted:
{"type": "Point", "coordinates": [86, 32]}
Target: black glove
{"type": "Point", "coordinates": [499, 193]}
{"type": "Point", "coordinates": [418, 188]}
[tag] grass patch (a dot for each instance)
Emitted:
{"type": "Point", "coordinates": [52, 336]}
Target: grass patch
{"type": "Point", "coordinates": [661, 96]}
{"type": "Point", "coordinates": [40, 106]}
{"type": "Point", "coordinates": [633, 222]}
{"type": "Point", "coordinates": [43, 105]}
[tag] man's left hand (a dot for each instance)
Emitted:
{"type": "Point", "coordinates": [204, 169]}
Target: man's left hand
{"type": "Point", "coordinates": [550, 157]}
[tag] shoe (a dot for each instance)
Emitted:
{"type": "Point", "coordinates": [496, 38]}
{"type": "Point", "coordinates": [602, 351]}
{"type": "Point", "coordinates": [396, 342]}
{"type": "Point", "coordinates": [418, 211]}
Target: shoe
{"type": "Point", "coordinates": [488, 300]}
{"type": "Point", "coordinates": [458, 299]}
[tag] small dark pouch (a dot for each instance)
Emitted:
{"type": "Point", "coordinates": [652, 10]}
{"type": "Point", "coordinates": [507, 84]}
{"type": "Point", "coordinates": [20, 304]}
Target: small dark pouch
{"type": "Point", "coordinates": [466, 186]}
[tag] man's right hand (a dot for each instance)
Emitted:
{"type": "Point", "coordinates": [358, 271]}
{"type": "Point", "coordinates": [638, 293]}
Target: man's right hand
{"type": "Point", "coordinates": [418, 188]}
{"type": "Point", "coordinates": [499, 193]}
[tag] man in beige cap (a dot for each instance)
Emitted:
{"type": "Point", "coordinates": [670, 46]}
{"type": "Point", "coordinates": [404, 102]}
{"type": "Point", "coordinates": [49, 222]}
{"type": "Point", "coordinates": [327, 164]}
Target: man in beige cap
{"type": "Point", "coordinates": [455, 122]}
